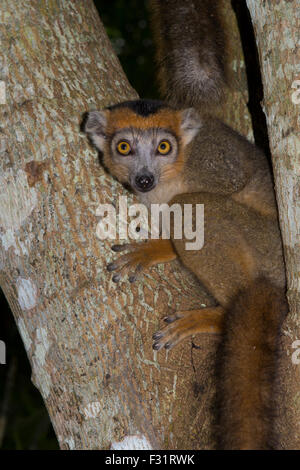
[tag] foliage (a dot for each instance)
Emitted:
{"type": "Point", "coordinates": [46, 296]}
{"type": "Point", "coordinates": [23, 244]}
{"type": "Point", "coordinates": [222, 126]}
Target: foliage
{"type": "Point", "coordinates": [127, 25]}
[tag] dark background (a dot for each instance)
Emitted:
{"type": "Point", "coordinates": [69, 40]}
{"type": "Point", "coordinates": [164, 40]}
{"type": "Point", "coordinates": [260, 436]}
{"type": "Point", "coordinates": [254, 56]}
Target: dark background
{"type": "Point", "coordinates": [27, 422]}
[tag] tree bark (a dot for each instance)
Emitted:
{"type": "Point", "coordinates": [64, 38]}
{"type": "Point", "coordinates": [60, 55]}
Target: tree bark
{"type": "Point", "coordinates": [88, 340]}
{"type": "Point", "coordinates": [276, 27]}
{"type": "Point", "coordinates": [233, 108]}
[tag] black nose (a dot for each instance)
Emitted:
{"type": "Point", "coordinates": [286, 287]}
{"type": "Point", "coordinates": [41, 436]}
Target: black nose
{"type": "Point", "coordinates": [144, 182]}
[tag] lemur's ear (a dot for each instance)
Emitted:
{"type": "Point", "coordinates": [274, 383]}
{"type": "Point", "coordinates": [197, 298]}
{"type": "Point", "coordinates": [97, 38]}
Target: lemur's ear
{"type": "Point", "coordinates": [190, 124]}
{"type": "Point", "coordinates": [95, 126]}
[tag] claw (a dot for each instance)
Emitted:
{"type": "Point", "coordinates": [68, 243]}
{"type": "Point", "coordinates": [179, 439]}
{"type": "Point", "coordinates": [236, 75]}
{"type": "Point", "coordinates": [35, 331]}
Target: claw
{"type": "Point", "coordinates": [157, 346]}
{"type": "Point", "coordinates": [170, 318]}
{"type": "Point", "coordinates": [118, 248]}
{"type": "Point", "coordinates": [169, 336]}
{"type": "Point", "coordinates": [111, 267]}
{"type": "Point", "coordinates": [133, 277]}
{"type": "Point", "coordinates": [158, 335]}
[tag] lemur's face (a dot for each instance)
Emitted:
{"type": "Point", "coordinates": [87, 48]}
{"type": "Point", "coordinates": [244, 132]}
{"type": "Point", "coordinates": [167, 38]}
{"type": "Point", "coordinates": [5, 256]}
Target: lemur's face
{"type": "Point", "coordinates": [146, 154]}
{"type": "Point", "coordinates": [142, 141]}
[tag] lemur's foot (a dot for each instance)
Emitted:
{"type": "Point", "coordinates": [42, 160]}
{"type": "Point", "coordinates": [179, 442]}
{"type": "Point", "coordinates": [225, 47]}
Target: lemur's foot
{"type": "Point", "coordinates": [140, 256]}
{"type": "Point", "coordinates": [186, 323]}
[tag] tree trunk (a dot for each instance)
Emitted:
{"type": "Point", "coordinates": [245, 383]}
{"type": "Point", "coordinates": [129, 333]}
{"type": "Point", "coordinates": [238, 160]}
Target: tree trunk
{"type": "Point", "coordinates": [88, 340]}
{"type": "Point", "coordinates": [276, 27]}
{"type": "Point", "coordinates": [234, 105]}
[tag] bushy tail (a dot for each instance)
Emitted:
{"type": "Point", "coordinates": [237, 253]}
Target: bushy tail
{"type": "Point", "coordinates": [190, 50]}
{"type": "Point", "coordinates": [246, 368]}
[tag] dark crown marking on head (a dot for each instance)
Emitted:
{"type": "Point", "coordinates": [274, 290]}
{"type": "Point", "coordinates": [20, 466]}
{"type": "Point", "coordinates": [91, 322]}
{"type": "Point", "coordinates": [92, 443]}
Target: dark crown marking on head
{"type": "Point", "coordinates": [141, 107]}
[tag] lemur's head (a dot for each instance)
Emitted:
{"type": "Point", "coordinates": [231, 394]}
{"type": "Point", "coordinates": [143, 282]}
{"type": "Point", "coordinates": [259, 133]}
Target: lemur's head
{"type": "Point", "coordinates": [142, 141]}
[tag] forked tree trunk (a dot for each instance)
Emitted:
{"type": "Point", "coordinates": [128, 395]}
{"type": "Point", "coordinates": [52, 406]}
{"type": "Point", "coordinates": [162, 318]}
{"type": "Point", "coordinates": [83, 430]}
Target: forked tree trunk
{"type": "Point", "coordinates": [88, 339]}
{"type": "Point", "coordinates": [277, 27]}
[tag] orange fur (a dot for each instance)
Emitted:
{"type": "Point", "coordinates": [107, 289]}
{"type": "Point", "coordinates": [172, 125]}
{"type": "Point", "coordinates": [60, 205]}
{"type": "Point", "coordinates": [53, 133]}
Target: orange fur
{"type": "Point", "coordinates": [247, 365]}
{"type": "Point", "coordinates": [164, 118]}
{"type": "Point", "coordinates": [119, 171]}
{"type": "Point", "coordinates": [124, 118]}
{"type": "Point", "coordinates": [190, 322]}
{"type": "Point", "coordinates": [154, 252]}
{"type": "Point", "coordinates": [142, 256]}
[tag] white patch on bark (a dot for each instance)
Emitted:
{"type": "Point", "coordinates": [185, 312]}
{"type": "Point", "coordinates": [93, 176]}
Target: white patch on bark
{"type": "Point", "coordinates": [8, 240]}
{"type": "Point", "coordinates": [17, 199]}
{"type": "Point", "coordinates": [27, 293]}
{"type": "Point", "coordinates": [70, 443]}
{"type": "Point", "coordinates": [24, 334]}
{"type": "Point", "coordinates": [42, 377]}
{"type": "Point", "coordinates": [137, 442]}
{"type": "Point", "coordinates": [92, 410]}
{"type": "Point", "coordinates": [42, 346]}
{"type": "Point", "coordinates": [19, 136]}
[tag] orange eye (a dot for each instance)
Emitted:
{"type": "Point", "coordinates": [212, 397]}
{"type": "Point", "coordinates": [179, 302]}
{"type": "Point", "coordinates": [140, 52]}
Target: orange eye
{"type": "Point", "coordinates": [164, 147]}
{"type": "Point", "coordinates": [123, 147]}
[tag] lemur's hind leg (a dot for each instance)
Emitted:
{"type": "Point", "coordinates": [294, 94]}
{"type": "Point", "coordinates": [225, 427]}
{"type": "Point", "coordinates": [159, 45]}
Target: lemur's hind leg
{"type": "Point", "coordinates": [186, 323]}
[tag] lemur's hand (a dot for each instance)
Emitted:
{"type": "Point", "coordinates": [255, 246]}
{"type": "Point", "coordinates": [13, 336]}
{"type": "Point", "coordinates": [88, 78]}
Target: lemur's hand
{"type": "Point", "coordinates": [140, 256]}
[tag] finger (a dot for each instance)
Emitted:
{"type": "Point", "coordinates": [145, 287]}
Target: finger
{"type": "Point", "coordinates": [125, 246]}
{"type": "Point", "coordinates": [136, 275]}
{"type": "Point", "coordinates": [118, 263]}
{"type": "Point", "coordinates": [118, 248]}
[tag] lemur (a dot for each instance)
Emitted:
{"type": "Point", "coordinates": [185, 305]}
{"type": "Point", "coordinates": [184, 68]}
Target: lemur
{"type": "Point", "coordinates": [172, 153]}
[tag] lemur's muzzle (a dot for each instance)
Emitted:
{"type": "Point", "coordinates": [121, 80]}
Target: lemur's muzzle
{"type": "Point", "coordinates": [144, 182]}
